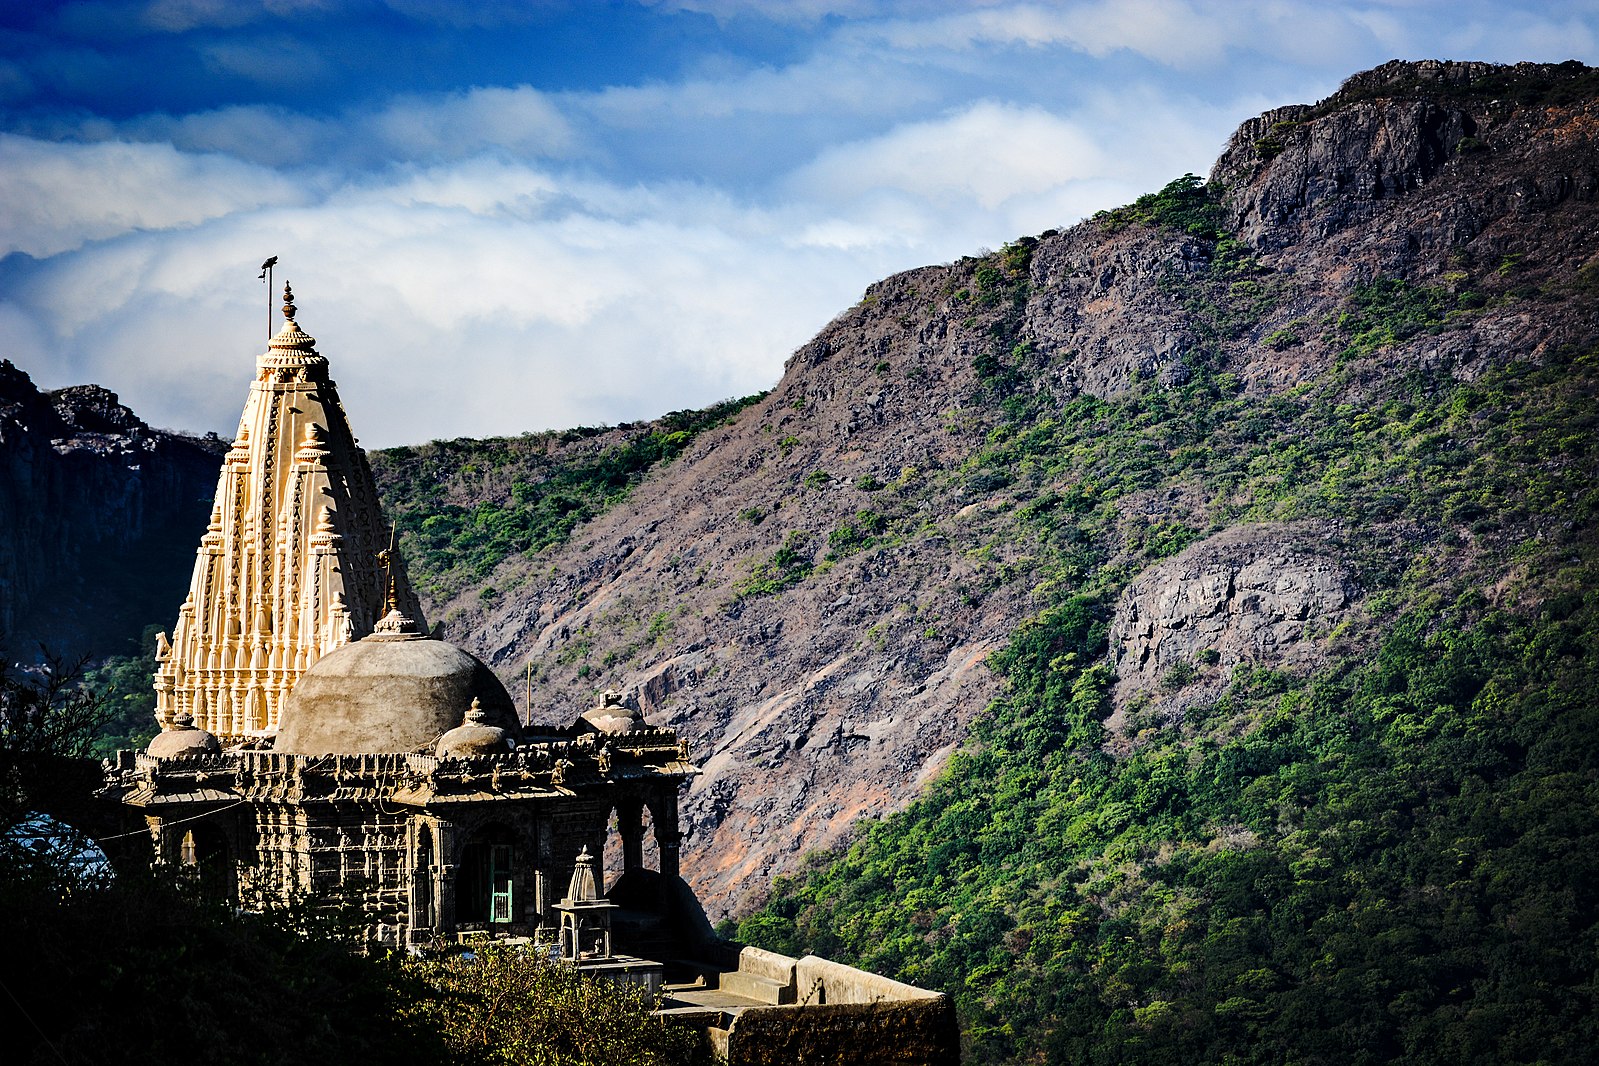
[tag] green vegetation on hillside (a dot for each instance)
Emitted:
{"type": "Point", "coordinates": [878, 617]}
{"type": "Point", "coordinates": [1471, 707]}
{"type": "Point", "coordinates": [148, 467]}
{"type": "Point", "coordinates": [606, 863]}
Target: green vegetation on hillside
{"type": "Point", "coordinates": [1391, 860]}
{"type": "Point", "coordinates": [464, 506]}
{"type": "Point", "coordinates": [126, 683]}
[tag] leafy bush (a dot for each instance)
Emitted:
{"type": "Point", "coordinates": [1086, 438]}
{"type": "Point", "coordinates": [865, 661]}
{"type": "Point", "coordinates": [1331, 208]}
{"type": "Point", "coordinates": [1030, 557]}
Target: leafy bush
{"type": "Point", "coordinates": [785, 568]}
{"type": "Point", "coordinates": [504, 1006]}
{"type": "Point", "coordinates": [1184, 205]}
{"type": "Point", "coordinates": [1390, 310]}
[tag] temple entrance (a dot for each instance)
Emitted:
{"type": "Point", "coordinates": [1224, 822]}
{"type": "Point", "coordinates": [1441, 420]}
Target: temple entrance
{"type": "Point", "coordinates": [485, 887]}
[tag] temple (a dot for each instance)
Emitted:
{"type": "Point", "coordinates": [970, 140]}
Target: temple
{"type": "Point", "coordinates": [317, 742]}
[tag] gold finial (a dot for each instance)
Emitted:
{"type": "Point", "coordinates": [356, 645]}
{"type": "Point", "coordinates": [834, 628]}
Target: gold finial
{"type": "Point", "coordinates": [386, 561]}
{"type": "Point", "coordinates": [392, 598]}
{"type": "Point", "coordinates": [288, 302]}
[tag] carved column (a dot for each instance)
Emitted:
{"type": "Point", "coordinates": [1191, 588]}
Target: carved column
{"type": "Point", "coordinates": [630, 824]}
{"type": "Point", "coordinates": [448, 846]}
{"type": "Point", "coordinates": [663, 808]}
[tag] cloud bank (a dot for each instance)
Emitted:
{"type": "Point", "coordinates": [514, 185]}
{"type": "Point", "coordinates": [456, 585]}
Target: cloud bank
{"type": "Point", "coordinates": [488, 258]}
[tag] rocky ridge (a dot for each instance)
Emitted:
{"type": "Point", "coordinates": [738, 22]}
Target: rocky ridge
{"type": "Point", "coordinates": [99, 516]}
{"type": "Point", "coordinates": [809, 593]}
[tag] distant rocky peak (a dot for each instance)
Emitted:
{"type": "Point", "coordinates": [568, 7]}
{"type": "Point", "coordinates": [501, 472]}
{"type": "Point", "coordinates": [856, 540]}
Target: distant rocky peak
{"type": "Point", "coordinates": [1307, 171]}
{"type": "Point", "coordinates": [93, 409]}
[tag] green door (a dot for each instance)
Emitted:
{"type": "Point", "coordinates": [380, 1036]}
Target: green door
{"type": "Point", "coordinates": [500, 902]}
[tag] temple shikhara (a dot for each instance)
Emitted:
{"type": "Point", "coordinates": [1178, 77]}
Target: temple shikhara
{"type": "Point", "coordinates": [318, 742]}
{"type": "Point", "coordinates": [295, 561]}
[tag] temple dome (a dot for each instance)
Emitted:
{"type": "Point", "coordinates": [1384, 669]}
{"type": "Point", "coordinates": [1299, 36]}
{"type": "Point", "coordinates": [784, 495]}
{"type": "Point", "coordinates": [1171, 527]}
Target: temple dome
{"type": "Point", "coordinates": [389, 692]}
{"type": "Point", "coordinates": [613, 715]}
{"type": "Point", "coordinates": [475, 736]}
{"type": "Point", "coordinates": [183, 739]}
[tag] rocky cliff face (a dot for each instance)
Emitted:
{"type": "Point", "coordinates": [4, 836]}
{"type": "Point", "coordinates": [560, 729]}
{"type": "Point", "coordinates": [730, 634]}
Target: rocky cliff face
{"type": "Point", "coordinates": [810, 592]}
{"type": "Point", "coordinates": [1268, 594]}
{"type": "Point", "coordinates": [99, 518]}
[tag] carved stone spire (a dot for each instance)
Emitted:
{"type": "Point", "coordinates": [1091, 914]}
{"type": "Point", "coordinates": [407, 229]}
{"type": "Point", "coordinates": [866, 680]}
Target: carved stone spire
{"type": "Point", "coordinates": [289, 568]}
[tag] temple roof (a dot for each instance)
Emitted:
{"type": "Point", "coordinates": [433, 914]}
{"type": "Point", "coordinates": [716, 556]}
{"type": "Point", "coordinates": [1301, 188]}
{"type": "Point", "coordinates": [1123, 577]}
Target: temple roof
{"type": "Point", "coordinates": [297, 560]}
{"type": "Point", "coordinates": [390, 692]}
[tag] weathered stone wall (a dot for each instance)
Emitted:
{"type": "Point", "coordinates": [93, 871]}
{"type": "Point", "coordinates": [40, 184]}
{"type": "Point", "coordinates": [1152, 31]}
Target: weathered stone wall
{"type": "Point", "coordinates": [920, 1032]}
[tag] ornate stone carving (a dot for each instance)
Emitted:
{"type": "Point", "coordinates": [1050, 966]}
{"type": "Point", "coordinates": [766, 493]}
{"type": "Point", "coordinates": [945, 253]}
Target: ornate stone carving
{"type": "Point", "coordinates": [288, 569]}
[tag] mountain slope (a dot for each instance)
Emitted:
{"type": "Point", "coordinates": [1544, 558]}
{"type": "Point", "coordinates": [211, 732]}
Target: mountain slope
{"type": "Point", "coordinates": [1322, 786]}
{"type": "Point", "coordinates": [811, 592]}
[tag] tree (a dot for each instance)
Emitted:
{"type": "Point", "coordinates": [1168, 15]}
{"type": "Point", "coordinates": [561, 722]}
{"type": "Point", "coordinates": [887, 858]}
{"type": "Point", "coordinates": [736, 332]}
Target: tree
{"type": "Point", "coordinates": [48, 726]}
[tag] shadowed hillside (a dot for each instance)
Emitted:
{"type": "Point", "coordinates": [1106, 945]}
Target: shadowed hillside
{"type": "Point", "coordinates": [99, 517]}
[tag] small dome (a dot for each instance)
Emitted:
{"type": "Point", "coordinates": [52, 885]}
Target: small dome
{"type": "Point", "coordinates": [392, 691]}
{"type": "Point", "coordinates": [182, 738]}
{"type": "Point", "coordinates": [614, 715]}
{"type": "Point", "coordinates": [475, 736]}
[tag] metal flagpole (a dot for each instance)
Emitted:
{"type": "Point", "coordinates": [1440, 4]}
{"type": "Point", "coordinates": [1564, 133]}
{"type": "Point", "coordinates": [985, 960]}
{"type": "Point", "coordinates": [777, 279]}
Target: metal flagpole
{"type": "Point", "coordinates": [266, 276]}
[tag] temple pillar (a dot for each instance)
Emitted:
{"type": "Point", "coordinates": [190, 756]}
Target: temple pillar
{"type": "Point", "coordinates": [448, 849]}
{"type": "Point", "coordinates": [630, 824]}
{"type": "Point", "coordinates": [668, 837]}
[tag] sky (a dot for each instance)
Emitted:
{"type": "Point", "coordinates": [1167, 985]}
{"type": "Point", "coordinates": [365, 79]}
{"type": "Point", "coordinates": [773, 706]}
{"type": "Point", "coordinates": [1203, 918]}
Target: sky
{"type": "Point", "coordinates": [513, 215]}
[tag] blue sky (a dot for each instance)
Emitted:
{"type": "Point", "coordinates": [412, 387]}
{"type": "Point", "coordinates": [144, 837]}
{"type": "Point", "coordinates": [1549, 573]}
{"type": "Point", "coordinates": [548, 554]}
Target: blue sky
{"type": "Point", "coordinates": [523, 214]}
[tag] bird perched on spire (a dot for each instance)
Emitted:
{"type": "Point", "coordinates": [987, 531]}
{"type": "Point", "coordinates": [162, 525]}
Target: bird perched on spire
{"type": "Point", "coordinates": [266, 276]}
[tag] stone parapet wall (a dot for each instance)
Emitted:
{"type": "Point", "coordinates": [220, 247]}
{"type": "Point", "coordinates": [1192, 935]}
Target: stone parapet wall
{"type": "Point", "coordinates": [822, 1013]}
{"type": "Point", "coordinates": [828, 982]}
{"type": "Point", "coordinates": [914, 1032]}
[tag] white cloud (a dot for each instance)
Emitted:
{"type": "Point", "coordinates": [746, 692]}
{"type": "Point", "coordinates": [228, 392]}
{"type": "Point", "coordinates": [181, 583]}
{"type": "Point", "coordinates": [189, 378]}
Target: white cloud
{"type": "Point", "coordinates": [518, 120]}
{"type": "Point", "coordinates": [280, 60]}
{"type": "Point", "coordinates": [444, 307]}
{"type": "Point", "coordinates": [497, 288]}
{"type": "Point", "coordinates": [515, 121]}
{"type": "Point", "coordinates": [1168, 31]}
{"type": "Point", "coordinates": [986, 155]}
{"type": "Point", "coordinates": [802, 11]}
{"type": "Point", "coordinates": [270, 136]}
{"type": "Point", "coordinates": [485, 295]}
{"type": "Point", "coordinates": [502, 259]}
{"type": "Point", "coordinates": [1527, 36]}
{"type": "Point", "coordinates": [54, 197]}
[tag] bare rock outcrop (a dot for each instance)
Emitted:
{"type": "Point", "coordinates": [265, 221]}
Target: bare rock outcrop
{"type": "Point", "coordinates": [99, 516]}
{"type": "Point", "coordinates": [1262, 595]}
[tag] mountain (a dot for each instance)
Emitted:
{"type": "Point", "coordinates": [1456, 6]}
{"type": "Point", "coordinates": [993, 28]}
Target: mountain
{"type": "Point", "coordinates": [101, 514]}
{"type": "Point", "coordinates": [1198, 603]}
{"type": "Point", "coordinates": [1210, 420]}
